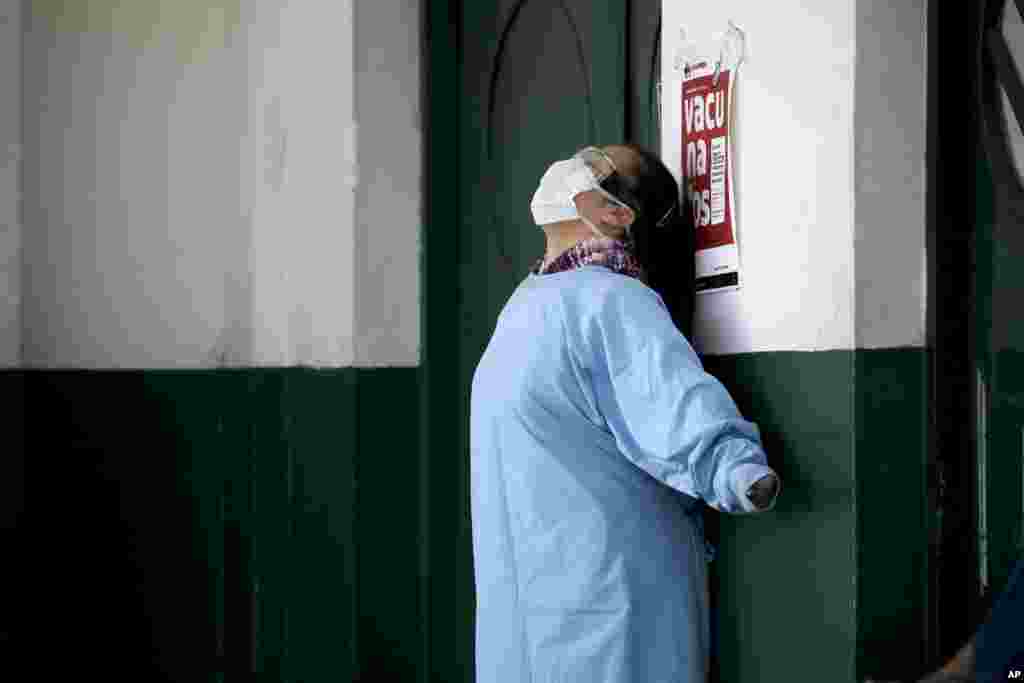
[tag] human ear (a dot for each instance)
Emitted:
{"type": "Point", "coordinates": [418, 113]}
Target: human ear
{"type": "Point", "coordinates": [620, 215]}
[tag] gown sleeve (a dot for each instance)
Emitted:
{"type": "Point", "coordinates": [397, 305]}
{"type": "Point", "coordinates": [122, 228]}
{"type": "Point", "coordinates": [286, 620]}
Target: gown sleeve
{"type": "Point", "coordinates": [667, 415]}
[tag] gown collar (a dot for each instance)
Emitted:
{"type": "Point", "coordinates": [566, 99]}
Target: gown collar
{"type": "Point", "coordinates": [616, 255]}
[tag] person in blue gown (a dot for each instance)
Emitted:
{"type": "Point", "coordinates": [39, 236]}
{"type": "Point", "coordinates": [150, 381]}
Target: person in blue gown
{"type": "Point", "coordinates": [596, 438]}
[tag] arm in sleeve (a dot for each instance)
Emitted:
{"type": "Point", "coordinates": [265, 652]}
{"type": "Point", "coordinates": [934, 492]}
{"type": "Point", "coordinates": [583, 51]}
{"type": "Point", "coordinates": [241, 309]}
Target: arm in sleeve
{"type": "Point", "coordinates": [669, 416]}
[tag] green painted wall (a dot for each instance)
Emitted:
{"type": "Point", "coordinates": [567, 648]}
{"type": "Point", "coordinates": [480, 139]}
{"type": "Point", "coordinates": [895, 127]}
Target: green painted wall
{"type": "Point", "coordinates": [12, 496]}
{"type": "Point", "coordinates": [273, 520]}
{"type": "Point", "coordinates": [891, 389]}
{"type": "Point", "coordinates": [201, 525]}
{"type": "Point", "coordinates": [831, 585]}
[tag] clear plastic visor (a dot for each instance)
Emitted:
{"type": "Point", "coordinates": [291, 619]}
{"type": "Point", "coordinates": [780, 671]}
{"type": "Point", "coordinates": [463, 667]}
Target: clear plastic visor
{"type": "Point", "coordinates": [602, 168]}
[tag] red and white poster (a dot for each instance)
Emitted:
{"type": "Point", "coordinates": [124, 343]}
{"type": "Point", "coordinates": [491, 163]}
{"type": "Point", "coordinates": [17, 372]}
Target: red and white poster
{"type": "Point", "coordinates": [708, 173]}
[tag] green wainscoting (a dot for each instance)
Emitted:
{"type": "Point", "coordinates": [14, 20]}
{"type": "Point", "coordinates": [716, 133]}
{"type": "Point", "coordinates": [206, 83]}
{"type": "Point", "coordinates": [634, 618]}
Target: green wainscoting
{"type": "Point", "coordinates": [893, 519]}
{"type": "Point", "coordinates": [204, 525]}
{"type": "Point", "coordinates": [224, 524]}
{"type": "Point", "coordinates": [831, 585]}
{"type": "Point", "coordinates": [12, 500]}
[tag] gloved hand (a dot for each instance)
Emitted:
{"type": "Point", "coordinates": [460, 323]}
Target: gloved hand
{"type": "Point", "coordinates": [763, 491]}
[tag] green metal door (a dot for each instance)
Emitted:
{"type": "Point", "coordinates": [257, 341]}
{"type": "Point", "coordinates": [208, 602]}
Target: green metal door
{"type": "Point", "coordinates": [539, 80]}
{"type": "Point", "coordinates": [535, 82]}
{"type": "Point", "coordinates": [1000, 293]}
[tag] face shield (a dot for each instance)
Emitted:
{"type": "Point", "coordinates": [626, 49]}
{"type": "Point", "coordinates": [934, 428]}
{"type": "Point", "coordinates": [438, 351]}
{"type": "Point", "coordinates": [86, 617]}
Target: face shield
{"type": "Point", "coordinates": [598, 173]}
{"type": "Point", "coordinates": [590, 169]}
{"type": "Point", "coordinates": [611, 184]}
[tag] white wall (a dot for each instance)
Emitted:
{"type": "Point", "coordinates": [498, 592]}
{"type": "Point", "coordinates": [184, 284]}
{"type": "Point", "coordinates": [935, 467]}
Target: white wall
{"type": "Point", "coordinates": [10, 153]}
{"type": "Point", "coordinates": [300, 181]}
{"type": "Point", "coordinates": [815, 109]}
{"type": "Point", "coordinates": [890, 176]}
{"type": "Point", "coordinates": [191, 182]}
{"type": "Point", "coordinates": [389, 197]}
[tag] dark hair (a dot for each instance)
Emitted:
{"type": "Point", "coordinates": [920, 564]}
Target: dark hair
{"type": "Point", "coordinates": [665, 251]}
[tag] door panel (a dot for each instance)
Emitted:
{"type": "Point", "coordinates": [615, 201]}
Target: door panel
{"type": "Point", "coordinates": [998, 291]}
{"type": "Point", "coordinates": [537, 81]}
{"type": "Point", "coordinates": [644, 73]}
{"type": "Point", "coordinates": [538, 106]}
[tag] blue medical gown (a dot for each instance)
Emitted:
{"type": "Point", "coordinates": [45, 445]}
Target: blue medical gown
{"type": "Point", "coordinates": [595, 434]}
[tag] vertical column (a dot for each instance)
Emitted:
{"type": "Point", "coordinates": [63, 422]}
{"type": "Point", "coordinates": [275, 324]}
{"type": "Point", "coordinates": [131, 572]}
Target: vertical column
{"type": "Point", "coordinates": [10, 183]}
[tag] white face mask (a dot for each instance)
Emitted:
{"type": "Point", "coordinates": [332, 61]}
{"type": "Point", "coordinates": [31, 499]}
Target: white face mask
{"type": "Point", "coordinates": [553, 200]}
{"type": "Point", "coordinates": [563, 181]}
{"type": "Point", "coordinates": [559, 186]}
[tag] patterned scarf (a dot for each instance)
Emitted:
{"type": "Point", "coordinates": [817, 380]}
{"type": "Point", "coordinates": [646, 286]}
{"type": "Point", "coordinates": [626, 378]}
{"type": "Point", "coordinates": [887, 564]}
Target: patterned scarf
{"type": "Point", "coordinates": [616, 255]}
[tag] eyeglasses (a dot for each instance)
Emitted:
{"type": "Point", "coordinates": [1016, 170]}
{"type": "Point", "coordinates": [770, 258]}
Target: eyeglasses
{"type": "Point", "coordinates": [606, 175]}
{"type": "Point", "coordinates": [600, 164]}
{"type": "Point", "coordinates": [610, 182]}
